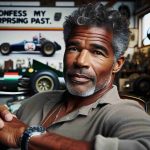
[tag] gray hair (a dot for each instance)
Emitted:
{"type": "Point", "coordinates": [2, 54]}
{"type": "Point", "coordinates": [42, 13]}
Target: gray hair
{"type": "Point", "coordinates": [98, 15]}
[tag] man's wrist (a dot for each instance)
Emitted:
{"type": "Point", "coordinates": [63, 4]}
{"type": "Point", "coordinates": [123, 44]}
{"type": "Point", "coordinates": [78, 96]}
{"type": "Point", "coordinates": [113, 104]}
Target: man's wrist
{"type": "Point", "coordinates": [28, 133]}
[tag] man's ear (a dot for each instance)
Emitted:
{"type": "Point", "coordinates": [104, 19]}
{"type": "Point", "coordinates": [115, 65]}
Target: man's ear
{"type": "Point", "coordinates": [118, 64]}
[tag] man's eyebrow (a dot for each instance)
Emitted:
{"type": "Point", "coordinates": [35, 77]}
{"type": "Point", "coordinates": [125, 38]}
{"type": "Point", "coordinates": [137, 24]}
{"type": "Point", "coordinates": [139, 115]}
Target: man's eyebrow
{"type": "Point", "coordinates": [70, 43]}
{"type": "Point", "coordinates": [97, 46]}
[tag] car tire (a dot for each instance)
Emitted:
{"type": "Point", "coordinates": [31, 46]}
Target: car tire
{"type": "Point", "coordinates": [5, 48]}
{"type": "Point", "coordinates": [44, 81]}
{"type": "Point", "coordinates": [47, 48]}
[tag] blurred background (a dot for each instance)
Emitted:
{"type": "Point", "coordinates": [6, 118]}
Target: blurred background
{"type": "Point", "coordinates": [32, 47]}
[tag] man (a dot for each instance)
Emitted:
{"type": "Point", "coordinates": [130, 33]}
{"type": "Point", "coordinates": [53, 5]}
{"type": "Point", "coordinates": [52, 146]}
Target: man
{"type": "Point", "coordinates": [89, 114]}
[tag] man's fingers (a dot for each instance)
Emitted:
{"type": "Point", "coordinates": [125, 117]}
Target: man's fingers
{"type": "Point", "coordinates": [8, 116]}
{"type": "Point", "coordinates": [5, 114]}
{"type": "Point", "coordinates": [1, 123]}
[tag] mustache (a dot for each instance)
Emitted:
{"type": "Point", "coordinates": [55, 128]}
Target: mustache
{"type": "Point", "coordinates": [82, 72]}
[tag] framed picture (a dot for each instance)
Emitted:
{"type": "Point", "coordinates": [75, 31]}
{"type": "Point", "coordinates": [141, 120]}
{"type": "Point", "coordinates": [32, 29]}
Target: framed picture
{"type": "Point", "coordinates": [133, 38]}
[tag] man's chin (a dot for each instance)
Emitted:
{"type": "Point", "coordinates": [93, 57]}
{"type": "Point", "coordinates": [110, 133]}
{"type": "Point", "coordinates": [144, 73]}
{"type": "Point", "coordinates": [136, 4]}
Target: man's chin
{"type": "Point", "coordinates": [81, 93]}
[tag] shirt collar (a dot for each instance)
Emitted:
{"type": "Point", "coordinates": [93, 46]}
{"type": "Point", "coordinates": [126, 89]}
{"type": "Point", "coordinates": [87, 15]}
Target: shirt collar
{"type": "Point", "coordinates": [111, 97]}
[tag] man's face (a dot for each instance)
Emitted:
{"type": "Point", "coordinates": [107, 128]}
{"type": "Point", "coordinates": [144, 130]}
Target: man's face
{"type": "Point", "coordinates": [88, 60]}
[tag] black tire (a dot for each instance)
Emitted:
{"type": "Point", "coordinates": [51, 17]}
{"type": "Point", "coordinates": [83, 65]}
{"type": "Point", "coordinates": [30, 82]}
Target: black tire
{"type": "Point", "coordinates": [141, 86]}
{"type": "Point", "coordinates": [47, 48]}
{"type": "Point", "coordinates": [44, 81]}
{"type": "Point", "coordinates": [5, 48]}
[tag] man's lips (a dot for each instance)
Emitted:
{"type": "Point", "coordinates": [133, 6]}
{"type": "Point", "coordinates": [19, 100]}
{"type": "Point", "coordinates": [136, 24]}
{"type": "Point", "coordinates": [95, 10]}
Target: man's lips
{"type": "Point", "coordinates": [79, 78]}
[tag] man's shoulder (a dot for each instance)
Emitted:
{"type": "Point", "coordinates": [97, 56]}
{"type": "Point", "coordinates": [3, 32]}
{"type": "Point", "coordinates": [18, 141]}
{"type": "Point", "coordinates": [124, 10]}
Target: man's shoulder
{"type": "Point", "coordinates": [45, 96]}
{"type": "Point", "coordinates": [124, 109]}
{"type": "Point", "coordinates": [38, 100]}
{"type": "Point", "coordinates": [125, 105]}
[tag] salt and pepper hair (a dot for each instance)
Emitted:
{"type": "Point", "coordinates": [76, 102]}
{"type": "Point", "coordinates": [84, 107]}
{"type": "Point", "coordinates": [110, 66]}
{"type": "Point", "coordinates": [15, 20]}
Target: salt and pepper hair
{"type": "Point", "coordinates": [100, 16]}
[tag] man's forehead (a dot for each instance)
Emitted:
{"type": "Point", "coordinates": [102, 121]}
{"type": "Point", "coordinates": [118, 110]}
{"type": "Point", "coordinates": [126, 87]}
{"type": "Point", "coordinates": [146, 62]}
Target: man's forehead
{"type": "Point", "coordinates": [91, 33]}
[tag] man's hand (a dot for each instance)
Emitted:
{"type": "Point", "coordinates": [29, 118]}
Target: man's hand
{"type": "Point", "coordinates": [11, 133]}
{"type": "Point", "coordinates": [5, 115]}
{"type": "Point", "coordinates": [11, 128]}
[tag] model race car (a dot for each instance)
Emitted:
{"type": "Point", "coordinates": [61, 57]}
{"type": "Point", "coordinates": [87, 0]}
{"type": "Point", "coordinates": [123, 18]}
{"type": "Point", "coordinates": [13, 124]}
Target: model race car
{"type": "Point", "coordinates": [38, 78]}
{"type": "Point", "coordinates": [46, 47]}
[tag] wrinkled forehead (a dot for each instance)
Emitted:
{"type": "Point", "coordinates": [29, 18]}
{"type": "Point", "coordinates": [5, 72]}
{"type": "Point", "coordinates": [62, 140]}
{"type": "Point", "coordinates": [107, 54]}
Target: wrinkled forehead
{"type": "Point", "coordinates": [85, 32]}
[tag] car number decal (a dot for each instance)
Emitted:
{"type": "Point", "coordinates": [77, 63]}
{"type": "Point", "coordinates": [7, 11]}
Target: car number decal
{"type": "Point", "coordinates": [29, 46]}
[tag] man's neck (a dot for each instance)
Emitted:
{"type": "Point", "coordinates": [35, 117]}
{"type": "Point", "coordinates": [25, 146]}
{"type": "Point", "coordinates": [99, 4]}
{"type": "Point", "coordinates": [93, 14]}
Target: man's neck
{"type": "Point", "coordinates": [73, 102]}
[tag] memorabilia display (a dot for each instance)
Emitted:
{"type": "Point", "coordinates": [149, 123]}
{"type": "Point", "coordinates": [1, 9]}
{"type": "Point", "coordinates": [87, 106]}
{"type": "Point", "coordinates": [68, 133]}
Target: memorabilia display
{"type": "Point", "coordinates": [38, 43]}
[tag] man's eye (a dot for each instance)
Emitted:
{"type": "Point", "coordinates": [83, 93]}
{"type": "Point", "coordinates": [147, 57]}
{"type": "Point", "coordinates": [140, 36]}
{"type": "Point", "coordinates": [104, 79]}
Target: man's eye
{"type": "Point", "coordinates": [72, 49]}
{"type": "Point", "coordinates": [97, 52]}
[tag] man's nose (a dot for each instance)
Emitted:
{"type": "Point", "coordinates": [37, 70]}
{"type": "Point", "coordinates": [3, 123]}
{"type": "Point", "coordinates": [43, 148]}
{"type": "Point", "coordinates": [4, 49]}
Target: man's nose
{"type": "Point", "coordinates": [83, 59]}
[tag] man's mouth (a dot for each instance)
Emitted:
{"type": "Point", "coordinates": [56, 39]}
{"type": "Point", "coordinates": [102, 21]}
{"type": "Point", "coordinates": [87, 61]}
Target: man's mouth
{"type": "Point", "coordinates": [79, 78]}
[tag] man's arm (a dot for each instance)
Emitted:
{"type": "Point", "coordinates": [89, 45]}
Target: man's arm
{"type": "Point", "coordinates": [12, 129]}
{"type": "Point", "coordinates": [57, 142]}
{"type": "Point", "coordinates": [127, 126]}
{"type": "Point", "coordinates": [11, 134]}
{"type": "Point", "coordinates": [128, 129]}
